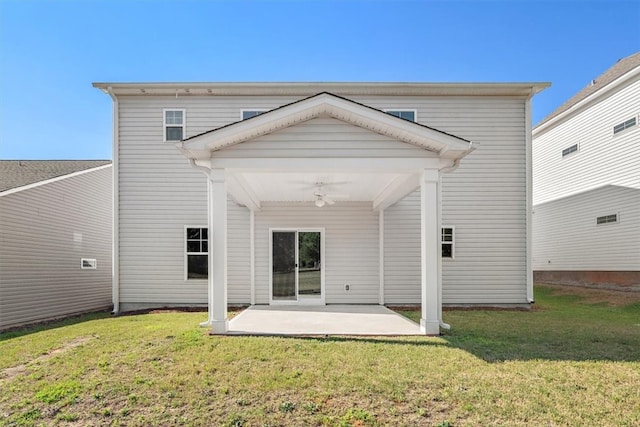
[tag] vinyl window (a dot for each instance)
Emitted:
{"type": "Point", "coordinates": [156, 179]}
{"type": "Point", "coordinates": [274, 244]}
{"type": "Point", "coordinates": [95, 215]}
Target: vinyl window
{"type": "Point", "coordinates": [448, 242]}
{"type": "Point", "coordinates": [247, 114]}
{"type": "Point", "coordinates": [624, 125]}
{"type": "Point", "coordinates": [403, 114]}
{"type": "Point", "coordinates": [570, 150]}
{"type": "Point", "coordinates": [88, 263]}
{"type": "Point", "coordinates": [196, 253]}
{"type": "Point", "coordinates": [607, 219]}
{"type": "Point", "coordinates": [174, 124]}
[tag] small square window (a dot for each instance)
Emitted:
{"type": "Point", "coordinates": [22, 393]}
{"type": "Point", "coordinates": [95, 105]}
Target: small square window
{"type": "Point", "coordinates": [403, 114]}
{"type": "Point", "coordinates": [88, 264]}
{"type": "Point", "coordinates": [174, 125]}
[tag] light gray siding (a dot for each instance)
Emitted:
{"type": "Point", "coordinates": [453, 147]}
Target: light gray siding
{"type": "Point", "coordinates": [567, 237]}
{"type": "Point", "coordinates": [323, 137]}
{"type": "Point", "coordinates": [44, 233]}
{"type": "Point", "coordinates": [484, 199]}
{"type": "Point", "coordinates": [351, 248]}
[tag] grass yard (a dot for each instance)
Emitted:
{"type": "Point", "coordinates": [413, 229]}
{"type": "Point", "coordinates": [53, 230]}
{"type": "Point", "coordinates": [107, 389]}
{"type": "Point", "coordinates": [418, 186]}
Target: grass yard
{"type": "Point", "coordinates": [573, 360]}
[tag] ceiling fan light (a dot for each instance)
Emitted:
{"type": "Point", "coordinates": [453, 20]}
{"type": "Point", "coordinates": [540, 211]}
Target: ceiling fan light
{"type": "Point", "coordinates": [320, 202]}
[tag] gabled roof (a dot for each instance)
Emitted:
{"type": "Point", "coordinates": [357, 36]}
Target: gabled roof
{"type": "Point", "coordinates": [622, 67]}
{"type": "Point", "coordinates": [326, 104]}
{"type": "Point", "coordinates": [18, 173]}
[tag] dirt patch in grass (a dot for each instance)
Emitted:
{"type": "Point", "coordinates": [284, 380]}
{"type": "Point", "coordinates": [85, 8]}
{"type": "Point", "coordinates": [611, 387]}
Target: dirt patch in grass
{"type": "Point", "coordinates": [14, 371]}
{"type": "Point", "coordinates": [609, 297]}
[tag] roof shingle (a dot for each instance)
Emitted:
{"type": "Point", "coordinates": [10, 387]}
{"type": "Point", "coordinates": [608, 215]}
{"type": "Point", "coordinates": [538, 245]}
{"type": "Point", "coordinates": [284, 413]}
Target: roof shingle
{"type": "Point", "coordinates": [18, 173]}
{"type": "Point", "coordinates": [622, 67]}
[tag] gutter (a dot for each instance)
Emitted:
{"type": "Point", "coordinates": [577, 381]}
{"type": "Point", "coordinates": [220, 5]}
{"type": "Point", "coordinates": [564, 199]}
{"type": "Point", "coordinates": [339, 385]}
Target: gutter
{"type": "Point", "coordinates": [115, 260]}
{"type": "Point", "coordinates": [528, 142]}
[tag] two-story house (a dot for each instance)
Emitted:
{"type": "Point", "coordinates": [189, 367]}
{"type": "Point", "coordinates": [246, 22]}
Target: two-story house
{"type": "Point", "coordinates": [322, 193]}
{"type": "Point", "coordinates": [586, 183]}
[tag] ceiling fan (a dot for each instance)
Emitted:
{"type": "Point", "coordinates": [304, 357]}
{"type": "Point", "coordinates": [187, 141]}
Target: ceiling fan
{"type": "Point", "coordinates": [322, 198]}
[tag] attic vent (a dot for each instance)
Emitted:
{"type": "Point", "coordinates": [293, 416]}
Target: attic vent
{"type": "Point", "coordinates": [570, 150]}
{"type": "Point", "coordinates": [607, 219]}
{"type": "Point", "coordinates": [624, 125]}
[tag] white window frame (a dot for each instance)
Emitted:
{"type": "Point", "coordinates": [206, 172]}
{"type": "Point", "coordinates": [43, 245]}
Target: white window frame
{"type": "Point", "coordinates": [186, 254]}
{"type": "Point", "coordinates": [403, 110]}
{"type": "Point", "coordinates": [92, 264]}
{"type": "Point", "coordinates": [624, 128]}
{"type": "Point", "coordinates": [617, 221]}
{"type": "Point", "coordinates": [251, 110]}
{"type": "Point", "coordinates": [165, 125]}
{"type": "Point", "coordinates": [577, 150]}
{"type": "Point", "coordinates": [453, 241]}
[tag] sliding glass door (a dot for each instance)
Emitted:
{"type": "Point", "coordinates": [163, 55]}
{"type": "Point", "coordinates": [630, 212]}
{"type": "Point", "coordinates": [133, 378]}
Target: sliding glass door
{"type": "Point", "coordinates": [296, 266]}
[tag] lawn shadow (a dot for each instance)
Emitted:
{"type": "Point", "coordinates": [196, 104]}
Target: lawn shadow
{"type": "Point", "coordinates": [33, 328]}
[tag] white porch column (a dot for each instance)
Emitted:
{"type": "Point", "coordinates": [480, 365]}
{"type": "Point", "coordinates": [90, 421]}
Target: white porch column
{"type": "Point", "coordinates": [218, 252]}
{"type": "Point", "coordinates": [430, 238]}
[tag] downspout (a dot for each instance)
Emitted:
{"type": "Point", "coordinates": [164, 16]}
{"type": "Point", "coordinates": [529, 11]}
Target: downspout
{"type": "Point", "coordinates": [454, 166]}
{"type": "Point", "coordinates": [115, 248]}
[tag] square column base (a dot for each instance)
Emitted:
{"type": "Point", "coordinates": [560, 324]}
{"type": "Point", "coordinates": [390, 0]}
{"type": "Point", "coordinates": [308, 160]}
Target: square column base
{"type": "Point", "coordinates": [219, 327]}
{"type": "Point", "coordinates": [429, 327]}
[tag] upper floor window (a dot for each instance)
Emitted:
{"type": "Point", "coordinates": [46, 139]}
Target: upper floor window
{"type": "Point", "coordinates": [624, 125]}
{"type": "Point", "coordinates": [403, 114]}
{"type": "Point", "coordinates": [247, 114]}
{"type": "Point", "coordinates": [607, 219]}
{"type": "Point", "coordinates": [569, 150]}
{"type": "Point", "coordinates": [174, 128]}
{"type": "Point", "coordinates": [447, 242]}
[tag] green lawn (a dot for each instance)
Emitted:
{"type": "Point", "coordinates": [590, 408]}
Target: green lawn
{"type": "Point", "coordinates": [573, 360]}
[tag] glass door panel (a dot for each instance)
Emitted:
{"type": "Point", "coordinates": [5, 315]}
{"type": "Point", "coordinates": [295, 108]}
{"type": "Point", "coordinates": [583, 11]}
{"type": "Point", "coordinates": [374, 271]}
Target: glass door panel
{"type": "Point", "coordinates": [284, 266]}
{"type": "Point", "coordinates": [309, 264]}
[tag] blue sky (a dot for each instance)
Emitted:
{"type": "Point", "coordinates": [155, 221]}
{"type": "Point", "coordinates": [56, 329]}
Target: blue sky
{"type": "Point", "coordinates": [51, 52]}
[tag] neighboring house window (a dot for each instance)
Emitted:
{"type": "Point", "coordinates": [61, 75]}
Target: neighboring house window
{"type": "Point", "coordinates": [88, 264]}
{"type": "Point", "coordinates": [624, 125]}
{"type": "Point", "coordinates": [247, 114]}
{"type": "Point", "coordinates": [403, 114]}
{"type": "Point", "coordinates": [447, 242]}
{"type": "Point", "coordinates": [569, 150]}
{"type": "Point", "coordinates": [197, 250]}
{"type": "Point", "coordinates": [174, 125]}
{"type": "Point", "coordinates": [607, 219]}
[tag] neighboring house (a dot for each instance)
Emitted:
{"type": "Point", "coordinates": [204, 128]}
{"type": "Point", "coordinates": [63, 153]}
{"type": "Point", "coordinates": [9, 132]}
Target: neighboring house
{"type": "Point", "coordinates": [322, 193]}
{"type": "Point", "coordinates": [586, 183]}
{"type": "Point", "coordinates": [55, 239]}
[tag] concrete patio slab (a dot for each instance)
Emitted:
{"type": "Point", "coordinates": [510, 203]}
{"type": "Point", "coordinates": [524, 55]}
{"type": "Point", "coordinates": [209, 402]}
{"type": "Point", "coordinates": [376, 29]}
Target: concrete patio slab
{"type": "Point", "coordinates": [321, 320]}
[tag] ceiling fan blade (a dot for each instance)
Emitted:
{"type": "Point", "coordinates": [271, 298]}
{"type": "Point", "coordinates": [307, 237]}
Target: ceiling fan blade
{"type": "Point", "coordinates": [329, 200]}
{"type": "Point", "coordinates": [337, 196]}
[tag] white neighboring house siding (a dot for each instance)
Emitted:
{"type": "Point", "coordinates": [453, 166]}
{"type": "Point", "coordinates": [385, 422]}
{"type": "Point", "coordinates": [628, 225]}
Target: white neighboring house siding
{"type": "Point", "coordinates": [45, 231]}
{"type": "Point", "coordinates": [484, 199]}
{"type": "Point", "coordinates": [568, 238]}
{"type": "Point", "coordinates": [602, 157]}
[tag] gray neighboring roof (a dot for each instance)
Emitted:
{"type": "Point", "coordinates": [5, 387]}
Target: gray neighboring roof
{"type": "Point", "coordinates": [18, 173]}
{"type": "Point", "coordinates": [622, 67]}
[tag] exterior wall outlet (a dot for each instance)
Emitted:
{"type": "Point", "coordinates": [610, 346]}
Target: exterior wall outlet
{"type": "Point", "coordinates": [347, 287]}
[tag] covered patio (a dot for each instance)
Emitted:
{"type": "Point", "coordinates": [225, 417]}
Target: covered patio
{"type": "Point", "coordinates": [358, 320]}
{"type": "Point", "coordinates": [332, 143]}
